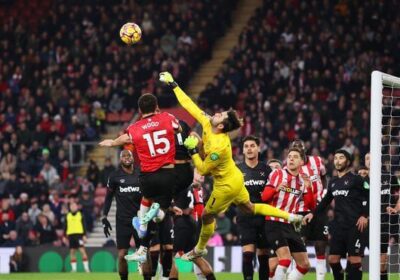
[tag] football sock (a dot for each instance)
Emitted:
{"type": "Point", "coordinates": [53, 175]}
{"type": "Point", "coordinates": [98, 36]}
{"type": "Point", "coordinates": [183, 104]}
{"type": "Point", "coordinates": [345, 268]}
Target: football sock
{"type": "Point", "coordinates": [263, 269]}
{"type": "Point", "coordinates": [320, 269]}
{"type": "Point", "coordinates": [281, 269]}
{"type": "Point", "coordinates": [337, 270]}
{"type": "Point", "coordinates": [154, 262]}
{"type": "Point", "coordinates": [297, 273]}
{"type": "Point", "coordinates": [199, 274]}
{"type": "Point", "coordinates": [166, 260]}
{"type": "Point", "coordinates": [247, 265]}
{"type": "Point", "coordinates": [206, 232]}
{"type": "Point", "coordinates": [354, 272]}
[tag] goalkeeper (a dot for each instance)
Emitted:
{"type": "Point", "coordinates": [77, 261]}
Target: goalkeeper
{"type": "Point", "coordinates": [218, 162]}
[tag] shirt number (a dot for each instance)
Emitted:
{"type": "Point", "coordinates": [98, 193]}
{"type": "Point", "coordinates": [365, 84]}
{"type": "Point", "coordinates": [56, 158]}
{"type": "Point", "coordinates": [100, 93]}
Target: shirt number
{"type": "Point", "coordinates": [180, 140]}
{"type": "Point", "coordinates": [155, 139]}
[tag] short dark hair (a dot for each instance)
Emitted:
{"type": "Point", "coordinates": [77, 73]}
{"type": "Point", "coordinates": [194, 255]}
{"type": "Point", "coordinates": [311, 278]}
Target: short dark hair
{"type": "Point", "coordinates": [293, 149]}
{"type": "Point", "coordinates": [251, 138]}
{"type": "Point", "coordinates": [232, 122]}
{"type": "Point", "coordinates": [274, 160]}
{"type": "Point", "coordinates": [299, 144]}
{"type": "Point", "coordinates": [348, 156]}
{"type": "Point", "coordinates": [362, 167]}
{"type": "Point", "coordinates": [147, 103]}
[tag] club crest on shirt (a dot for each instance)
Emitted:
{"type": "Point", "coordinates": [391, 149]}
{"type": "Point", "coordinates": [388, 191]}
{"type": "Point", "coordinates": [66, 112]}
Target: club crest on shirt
{"type": "Point", "coordinates": [122, 181]}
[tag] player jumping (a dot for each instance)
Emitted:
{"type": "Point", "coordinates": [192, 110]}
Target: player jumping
{"type": "Point", "coordinates": [153, 137]}
{"type": "Point", "coordinates": [228, 180]}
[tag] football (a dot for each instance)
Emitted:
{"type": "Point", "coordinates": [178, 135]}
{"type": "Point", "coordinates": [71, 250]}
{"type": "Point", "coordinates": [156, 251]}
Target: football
{"type": "Point", "coordinates": [130, 33]}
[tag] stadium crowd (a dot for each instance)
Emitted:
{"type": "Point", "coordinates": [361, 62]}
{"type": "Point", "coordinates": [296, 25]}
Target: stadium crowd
{"type": "Point", "coordinates": [58, 87]}
{"type": "Point", "coordinates": [302, 69]}
{"type": "Point", "coordinates": [297, 63]}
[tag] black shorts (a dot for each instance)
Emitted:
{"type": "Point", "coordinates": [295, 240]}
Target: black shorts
{"type": "Point", "coordinates": [184, 177]}
{"type": "Point", "coordinates": [252, 231]}
{"type": "Point", "coordinates": [163, 233]}
{"type": "Point", "coordinates": [124, 232]}
{"type": "Point", "coordinates": [158, 185]}
{"type": "Point", "coordinates": [349, 242]}
{"type": "Point", "coordinates": [75, 241]}
{"type": "Point", "coordinates": [185, 233]}
{"type": "Point", "coordinates": [317, 229]}
{"type": "Point", "coordinates": [283, 234]}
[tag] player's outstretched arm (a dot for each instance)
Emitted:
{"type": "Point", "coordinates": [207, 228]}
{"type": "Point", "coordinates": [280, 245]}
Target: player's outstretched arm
{"type": "Point", "coordinates": [185, 101]}
{"type": "Point", "coordinates": [120, 141]}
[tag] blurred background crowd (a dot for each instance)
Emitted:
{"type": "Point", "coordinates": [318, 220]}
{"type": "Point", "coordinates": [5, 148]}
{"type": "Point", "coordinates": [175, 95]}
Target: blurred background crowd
{"type": "Point", "coordinates": [301, 69]}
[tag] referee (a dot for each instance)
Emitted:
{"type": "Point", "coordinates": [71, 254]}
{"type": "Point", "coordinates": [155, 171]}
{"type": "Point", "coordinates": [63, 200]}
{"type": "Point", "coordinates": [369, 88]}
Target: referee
{"type": "Point", "coordinates": [251, 228]}
{"type": "Point", "coordinates": [123, 183]}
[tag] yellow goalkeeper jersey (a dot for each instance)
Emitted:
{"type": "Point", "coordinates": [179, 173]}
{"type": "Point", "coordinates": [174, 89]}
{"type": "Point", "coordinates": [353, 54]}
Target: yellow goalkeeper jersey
{"type": "Point", "coordinates": [218, 161]}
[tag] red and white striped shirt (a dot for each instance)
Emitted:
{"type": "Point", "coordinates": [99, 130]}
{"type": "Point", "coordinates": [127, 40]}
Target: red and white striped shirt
{"type": "Point", "coordinates": [315, 169]}
{"type": "Point", "coordinates": [291, 191]}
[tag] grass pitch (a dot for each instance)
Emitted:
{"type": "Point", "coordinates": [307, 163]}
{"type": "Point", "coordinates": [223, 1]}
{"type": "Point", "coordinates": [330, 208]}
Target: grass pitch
{"type": "Point", "coordinates": [135, 276]}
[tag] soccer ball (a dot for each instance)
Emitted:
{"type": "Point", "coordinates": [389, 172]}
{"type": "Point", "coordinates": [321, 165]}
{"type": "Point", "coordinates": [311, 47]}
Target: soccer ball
{"type": "Point", "coordinates": [130, 33]}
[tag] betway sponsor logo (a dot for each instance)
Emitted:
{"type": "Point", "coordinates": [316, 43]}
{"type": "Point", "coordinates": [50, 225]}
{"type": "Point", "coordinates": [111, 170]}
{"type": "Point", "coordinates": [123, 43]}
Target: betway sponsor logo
{"type": "Point", "coordinates": [129, 189]}
{"type": "Point", "coordinates": [340, 192]}
{"type": "Point", "coordinates": [254, 183]}
{"type": "Point", "coordinates": [150, 124]}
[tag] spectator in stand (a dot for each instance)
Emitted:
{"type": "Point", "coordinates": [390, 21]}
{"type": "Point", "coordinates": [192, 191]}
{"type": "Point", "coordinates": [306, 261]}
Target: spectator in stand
{"type": "Point", "coordinates": [87, 209]}
{"type": "Point", "coordinates": [106, 171]}
{"type": "Point", "coordinates": [6, 209]}
{"type": "Point", "coordinates": [34, 211]}
{"type": "Point", "coordinates": [22, 204]}
{"type": "Point", "coordinates": [317, 86]}
{"type": "Point", "coordinates": [49, 173]}
{"type": "Point", "coordinates": [93, 173]}
{"type": "Point", "coordinates": [45, 231]}
{"type": "Point", "coordinates": [12, 240]}
{"type": "Point", "coordinates": [223, 226]}
{"type": "Point", "coordinates": [18, 261]}
{"type": "Point", "coordinates": [6, 226]}
{"type": "Point", "coordinates": [8, 164]}
{"type": "Point", "coordinates": [46, 211]}
{"type": "Point", "coordinates": [23, 226]}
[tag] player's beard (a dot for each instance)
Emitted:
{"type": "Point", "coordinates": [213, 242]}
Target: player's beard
{"type": "Point", "coordinates": [127, 165]}
{"type": "Point", "coordinates": [341, 168]}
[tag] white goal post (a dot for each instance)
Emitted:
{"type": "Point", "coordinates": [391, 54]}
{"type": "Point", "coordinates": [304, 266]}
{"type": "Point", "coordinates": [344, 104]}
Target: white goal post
{"type": "Point", "coordinates": [378, 81]}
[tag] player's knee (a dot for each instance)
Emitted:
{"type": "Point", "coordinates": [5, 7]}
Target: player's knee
{"type": "Point", "coordinates": [121, 254]}
{"type": "Point", "coordinates": [333, 259]}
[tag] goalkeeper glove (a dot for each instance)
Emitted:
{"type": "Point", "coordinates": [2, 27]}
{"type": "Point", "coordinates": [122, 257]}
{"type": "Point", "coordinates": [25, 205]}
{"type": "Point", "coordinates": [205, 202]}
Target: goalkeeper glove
{"type": "Point", "coordinates": [166, 77]}
{"type": "Point", "coordinates": [191, 144]}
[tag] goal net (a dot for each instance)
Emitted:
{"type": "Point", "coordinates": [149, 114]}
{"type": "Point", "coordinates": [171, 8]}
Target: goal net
{"type": "Point", "coordinates": [384, 174]}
